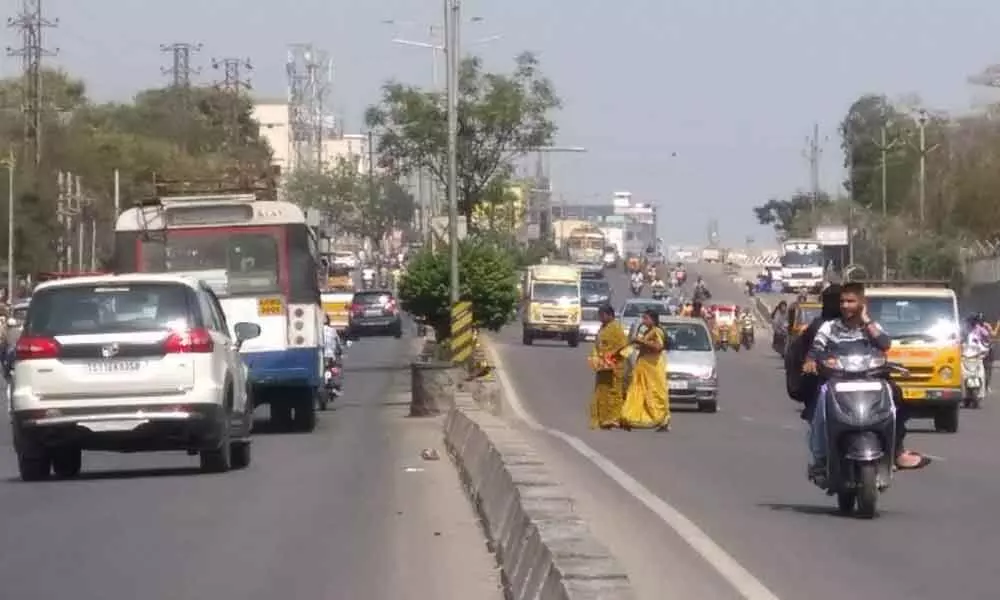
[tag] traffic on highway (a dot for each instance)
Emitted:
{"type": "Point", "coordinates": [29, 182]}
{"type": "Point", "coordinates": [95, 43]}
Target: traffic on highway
{"type": "Point", "coordinates": [722, 486]}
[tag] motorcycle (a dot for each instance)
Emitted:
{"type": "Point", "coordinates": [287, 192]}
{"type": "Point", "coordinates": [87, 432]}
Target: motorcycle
{"type": "Point", "coordinates": [636, 288]}
{"type": "Point", "coordinates": [746, 335]}
{"type": "Point", "coordinates": [974, 375]}
{"type": "Point", "coordinates": [659, 292]}
{"type": "Point", "coordinates": [333, 379]}
{"type": "Point", "coordinates": [860, 431]}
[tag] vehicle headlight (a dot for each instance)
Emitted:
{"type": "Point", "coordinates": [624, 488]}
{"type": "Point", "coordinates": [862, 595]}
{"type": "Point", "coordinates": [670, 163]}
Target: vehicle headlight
{"type": "Point", "coordinates": [946, 373]}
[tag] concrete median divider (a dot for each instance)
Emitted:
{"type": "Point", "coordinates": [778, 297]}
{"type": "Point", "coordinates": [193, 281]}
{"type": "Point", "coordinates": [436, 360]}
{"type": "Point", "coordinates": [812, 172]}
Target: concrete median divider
{"type": "Point", "coordinates": [544, 549]}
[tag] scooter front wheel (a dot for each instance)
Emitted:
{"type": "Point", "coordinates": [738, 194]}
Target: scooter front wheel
{"type": "Point", "coordinates": [867, 491]}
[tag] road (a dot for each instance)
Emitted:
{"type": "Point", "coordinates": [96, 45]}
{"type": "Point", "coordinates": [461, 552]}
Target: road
{"type": "Point", "coordinates": [739, 475]}
{"type": "Point", "coordinates": [348, 512]}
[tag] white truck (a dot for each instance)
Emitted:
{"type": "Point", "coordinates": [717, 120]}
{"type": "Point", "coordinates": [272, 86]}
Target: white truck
{"type": "Point", "coordinates": [802, 266]}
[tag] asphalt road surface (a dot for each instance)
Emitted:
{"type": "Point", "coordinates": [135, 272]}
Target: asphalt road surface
{"type": "Point", "coordinates": [740, 477]}
{"type": "Point", "coordinates": [348, 512]}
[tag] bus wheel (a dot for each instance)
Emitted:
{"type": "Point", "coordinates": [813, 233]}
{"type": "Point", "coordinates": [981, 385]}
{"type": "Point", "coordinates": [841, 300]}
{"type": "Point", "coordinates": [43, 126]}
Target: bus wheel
{"type": "Point", "coordinates": [305, 412]}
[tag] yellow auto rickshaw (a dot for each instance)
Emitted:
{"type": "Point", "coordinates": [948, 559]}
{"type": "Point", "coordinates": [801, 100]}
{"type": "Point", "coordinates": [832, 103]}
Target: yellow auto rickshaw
{"type": "Point", "coordinates": [800, 315]}
{"type": "Point", "coordinates": [725, 330]}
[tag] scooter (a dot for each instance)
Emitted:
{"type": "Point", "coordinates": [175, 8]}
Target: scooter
{"type": "Point", "coordinates": [659, 292]}
{"type": "Point", "coordinates": [974, 375]}
{"type": "Point", "coordinates": [636, 288]}
{"type": "Point", "coordinates": [746, 335]}
{"type": "Point", "coordinates": [860, 431]}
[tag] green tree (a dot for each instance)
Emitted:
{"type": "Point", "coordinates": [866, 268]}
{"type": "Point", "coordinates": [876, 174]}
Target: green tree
{"type": "Point", "coordinates": [500, 116]}
{"type": "Point", "coordinates": [368, 207]}
{"type": "Point", "coordinates": [789, 218]}
{"type": "Point", "coordinates": [488, 280]}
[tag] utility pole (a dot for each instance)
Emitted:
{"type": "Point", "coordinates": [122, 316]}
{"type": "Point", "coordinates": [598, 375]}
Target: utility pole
{"type": "Point", "coordinates": [78, 202]}
{"type": "Point", "coordinates": [31, 23]}
{"type": "Point", "coordinates": [11, 163]}
{"type": "Point", "coordinates": [452, 20]}
{"type": "Point", "coordinates": [884, 146]}
{"type": "Point", "coordinates": [371, 174]}
{"type": "Point", "coordinates": [233, 85]}
{"type": "Point", "coordinates": [850, 200]}
{"type": "Point", "coordinates": [813, 153]}
{"type": "Point", "coordinates": [922, 151]}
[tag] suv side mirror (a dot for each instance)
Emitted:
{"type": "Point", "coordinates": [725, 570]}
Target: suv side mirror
{"type": "Point", "coordinates": [245, 331]}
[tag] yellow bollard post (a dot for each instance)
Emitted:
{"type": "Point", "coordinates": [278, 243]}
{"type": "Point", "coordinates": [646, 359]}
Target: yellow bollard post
{"type": "Point", "coordinates": [462, 339]}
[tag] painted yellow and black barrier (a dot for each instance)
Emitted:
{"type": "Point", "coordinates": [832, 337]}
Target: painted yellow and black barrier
{"type": "Point", "coordinates": [462, 332]}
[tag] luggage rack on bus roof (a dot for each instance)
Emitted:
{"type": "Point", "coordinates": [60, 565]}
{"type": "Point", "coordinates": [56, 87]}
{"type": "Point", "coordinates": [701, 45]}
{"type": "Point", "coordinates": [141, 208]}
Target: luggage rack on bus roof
{"type": "Point", "coordinates": [234, 186]}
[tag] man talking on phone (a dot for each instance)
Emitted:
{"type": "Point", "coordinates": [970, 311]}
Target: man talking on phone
{"type": "Point", "coordinates": [851, 327]}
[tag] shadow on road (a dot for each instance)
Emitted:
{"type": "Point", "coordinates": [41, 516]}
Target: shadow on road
{"type": "Point", "coordinates": [804, 509]}
{"type": "Point", "coordinates": [120, 474]}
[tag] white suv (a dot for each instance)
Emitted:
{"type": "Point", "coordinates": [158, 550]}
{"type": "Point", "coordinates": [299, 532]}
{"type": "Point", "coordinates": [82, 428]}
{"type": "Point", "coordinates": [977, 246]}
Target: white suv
{"type": "Point", "coordinates": [128, 363]}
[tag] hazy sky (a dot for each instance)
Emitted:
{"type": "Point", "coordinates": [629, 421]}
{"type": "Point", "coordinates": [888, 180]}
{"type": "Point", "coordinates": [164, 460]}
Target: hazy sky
{"type": "Point", "coordinates": [731, 86]}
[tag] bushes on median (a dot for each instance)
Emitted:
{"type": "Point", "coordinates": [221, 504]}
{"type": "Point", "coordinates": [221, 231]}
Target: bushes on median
{"type": "Point", "coordinates": [488, 279]}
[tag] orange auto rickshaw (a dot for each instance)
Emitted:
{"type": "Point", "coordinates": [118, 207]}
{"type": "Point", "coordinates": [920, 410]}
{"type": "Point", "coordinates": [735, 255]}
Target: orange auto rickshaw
{"type": "Point", "coordinates": [725, 330]}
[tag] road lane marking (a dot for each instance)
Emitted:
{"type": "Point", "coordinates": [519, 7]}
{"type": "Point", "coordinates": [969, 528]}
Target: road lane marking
{"type": "Point", "coordinates": [724, 564]}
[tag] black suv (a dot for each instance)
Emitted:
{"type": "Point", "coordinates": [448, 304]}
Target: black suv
{"type": "Point", "coordinates": [374, 312]}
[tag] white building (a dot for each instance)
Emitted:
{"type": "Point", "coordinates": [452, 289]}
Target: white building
{"type": "Point", "coordinates": [274, 127]}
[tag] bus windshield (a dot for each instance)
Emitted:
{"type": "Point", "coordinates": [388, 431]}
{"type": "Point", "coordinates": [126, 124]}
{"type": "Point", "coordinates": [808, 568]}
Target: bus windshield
{"type": "Point", "coordinates": [250, 257]}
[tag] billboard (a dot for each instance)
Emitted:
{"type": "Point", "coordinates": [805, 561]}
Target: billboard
{"type": "Point", "coordinates": [832, 235]}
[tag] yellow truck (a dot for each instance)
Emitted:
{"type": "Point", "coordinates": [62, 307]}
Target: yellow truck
{"type": "Point", "coordinates": [551, 305]}
{"type": "Point", "coordinates": [923, 321]}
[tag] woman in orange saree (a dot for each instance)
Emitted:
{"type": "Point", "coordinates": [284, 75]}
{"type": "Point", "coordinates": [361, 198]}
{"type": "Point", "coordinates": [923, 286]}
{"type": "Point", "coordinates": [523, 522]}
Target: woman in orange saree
{"type": "Point", "coordinates": [605, 359]}
{"type": "Point", "coordinates": [647, 404]}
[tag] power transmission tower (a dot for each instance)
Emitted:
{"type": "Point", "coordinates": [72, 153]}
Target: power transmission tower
{"type": "Point", "coordinates": [31, 23]}
{"type": "Point", "coordinates": [180, 69]}
{"type": "Point", "coordinates": [309, 82]}
{"type": "Point", "coordinates": [233, 85]}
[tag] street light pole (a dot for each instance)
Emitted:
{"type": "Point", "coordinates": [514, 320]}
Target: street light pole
{"type": "Point", "coordinates": [452, 19]}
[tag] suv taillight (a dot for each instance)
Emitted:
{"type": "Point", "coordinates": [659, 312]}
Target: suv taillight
{"type": "Point", "coordinates": [191, 341]}
{"type": "Point", "coordinates": [32, 348]}
{"type": "Point", "coordinates": [390, 305]}
{"type": "Point", "coordinates": [357, 309]}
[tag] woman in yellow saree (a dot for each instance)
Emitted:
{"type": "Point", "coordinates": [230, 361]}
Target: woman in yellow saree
{"type": "Point", "coordinates": [646, 402]}
{"type": "Point", "coordinates": [605, 359]}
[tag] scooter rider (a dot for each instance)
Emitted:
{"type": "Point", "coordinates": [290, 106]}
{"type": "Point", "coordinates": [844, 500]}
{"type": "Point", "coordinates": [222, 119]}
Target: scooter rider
{"type": "Point", "coordinates": [852, 326]}
{"type": "Point", "coordinates": [658, 286]}
{"type": "Point", "coordinates": [982, 332]}
{"type": "Point", "coordinates": [368, 276]}
{"type": "Point", "coordinates": [333, 346]}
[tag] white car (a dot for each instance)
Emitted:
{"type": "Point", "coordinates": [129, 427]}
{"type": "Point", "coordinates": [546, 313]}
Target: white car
{"type": "Point", "coordinates": [128, 363]}
{"type": "Point", "coordinates": [347, 260]}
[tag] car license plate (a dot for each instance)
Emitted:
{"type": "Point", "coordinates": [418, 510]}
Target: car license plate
{"type": "Point", "coordinates": [373, 312]}
{"type": "Point", "coordinates": [119, 425]}
{"type": "Point", "coordinates": [114, 366]}
{"type": "Point", "coordinates": [911, 394]}
{"type": "Point", "coordinates": [678, 385]}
